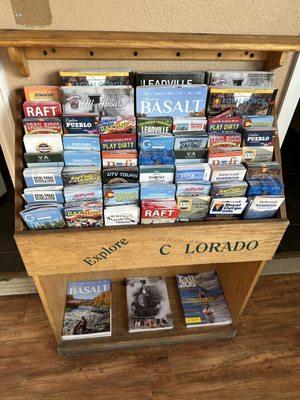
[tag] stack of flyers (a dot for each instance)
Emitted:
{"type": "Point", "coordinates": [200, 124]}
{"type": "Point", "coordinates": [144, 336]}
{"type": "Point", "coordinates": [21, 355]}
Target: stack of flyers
{"type": "Point", "coordinates": [239, 101]}
{"type": "Point", "coordinates": [75, 193]}
{"type": "Point", "coordinates": [43, 217]}
{"type": "Point", "coordinates": [106, 101]}
{"type": "Point", "coordinates": [81, 176]}
{"type": "Point", "coordinates": [262, 170]}
{"type": "Point", "coordinates": [190, 156]}
{"type": "Point", "coordinates": [121, 194]}
{"type": "Point", "coordinates": [190, 140]}
{"type": "Point", "coordinates": [43, 143]}
{"type": "Point", "coordinates": [117, 124]}
{"type": "Point", "coordinates": [156, 142]}
{"type": "Point", "coordinates": [159, 211]}
{"type": "Point", "coordinates": [227, 207]}
{"type": "Point", "coordinates": [258, 121]}
{"type": "Point", "coordinates": [258, 153]}
{"type": "Point", "coordinates": [224, 139]}
{"type": "Point", "coordinates": [34, 160]}
{"type": "Point", "coordinates": [263, 206]}
{"type": "Point", "coordinates": [43, 176]}
{"type": "Point", "coordinates": [192, 173]}
{"type": "Point", "coordinates": [43, 194]}
{"type": "Point", "coordinates": [229, 189]}
{"type": "Point", "coordinates": [119, 158]}
{"type": "Point", "coordinates": [189, 124]}
{"type": "Point", "coordinates": [42, 93]}
{"type": "Point", "coordinates": [82, 158]}
{"type": "Point", "coordinates": [169, 78]}
{"type": "Point", "coordinates": [224, 125]}
{"type": "Point", "coordinates": [81, 142]}
{"type": "Point", "coordinates": [157, 125]}
{"type": "Point", "coordinates": [269, 186]}
{"type": "Point", "coordinates": [193, 189]}
{"type": "Point", "coordinates": [95, 77]}
{"type": "Point", "coordinates": [80, 123]}
{"type": "Point", "coordinates": [85, 214]}
{"type": "Point", "coordinates": [227, 173]}
{"type": "Point", "coordinates": [33, 126]}
{"type": "Point", "coordinates": [193, 208]}
{"type": "Point", "coordinates": [37, 109]}
{"type": "Point", "coordinates": [112, 175]}
{"type": "Point", "coordinates": [157, 158]}
{"type": "Point", "coordinates": [122, 215]}
{"type": "Point", "coordinates": [157, 173]}
{"type": "Point", "coordinates": [119, 141]}
{"type": "Point", "coordinates": [158, 191]}
{"type": "Point", "coordinates": [259, 137]}
{"type": "Point", "coordinates": [240, 78]}
{"type": "Point", "coordinates": [184, 101]}
{"type": "Point", "coordinates": [225, 155]}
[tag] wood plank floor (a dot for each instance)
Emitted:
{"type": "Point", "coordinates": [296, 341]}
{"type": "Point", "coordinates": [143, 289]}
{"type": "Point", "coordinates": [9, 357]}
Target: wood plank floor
{"type": "Point", "coordinates": [262, 362]}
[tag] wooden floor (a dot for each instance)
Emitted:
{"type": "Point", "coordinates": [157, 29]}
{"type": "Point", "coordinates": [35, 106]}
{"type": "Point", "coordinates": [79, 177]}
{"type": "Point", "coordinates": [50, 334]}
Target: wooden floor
{"type": "Point", "coordinates": [262, 362]}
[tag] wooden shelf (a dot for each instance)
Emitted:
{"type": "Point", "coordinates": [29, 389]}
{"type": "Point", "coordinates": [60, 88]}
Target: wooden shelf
{"type": "Point", "coordinates": [23, 45]}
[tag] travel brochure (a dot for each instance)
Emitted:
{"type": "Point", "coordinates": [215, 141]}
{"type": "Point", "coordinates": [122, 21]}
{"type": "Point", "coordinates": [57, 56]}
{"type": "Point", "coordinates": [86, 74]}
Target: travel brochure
{"type": "Point", "coordinates": [124, 148]}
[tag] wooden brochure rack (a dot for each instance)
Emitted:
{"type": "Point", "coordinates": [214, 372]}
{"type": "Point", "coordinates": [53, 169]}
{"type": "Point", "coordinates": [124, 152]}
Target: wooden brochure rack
{"type": "Point", "coordinates": [236, 249]}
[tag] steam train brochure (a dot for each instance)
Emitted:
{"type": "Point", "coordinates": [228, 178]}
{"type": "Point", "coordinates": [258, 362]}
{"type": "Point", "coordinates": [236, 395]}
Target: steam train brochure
{"type": "Point", "coordinates": [148, 304]}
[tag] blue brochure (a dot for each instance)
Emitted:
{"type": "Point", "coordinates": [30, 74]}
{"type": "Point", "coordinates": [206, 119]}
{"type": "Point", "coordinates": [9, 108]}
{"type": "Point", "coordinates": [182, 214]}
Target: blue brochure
{"type": "Point", "coordinates": [81, 142]}
{"type": "Point", "coordinates": [82, 158]}
{"type": "Point", "coordinates": [157, 191]}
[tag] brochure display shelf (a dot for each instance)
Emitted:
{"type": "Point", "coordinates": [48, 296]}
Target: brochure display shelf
{"type": "Point", "coordinates": [236, 249]}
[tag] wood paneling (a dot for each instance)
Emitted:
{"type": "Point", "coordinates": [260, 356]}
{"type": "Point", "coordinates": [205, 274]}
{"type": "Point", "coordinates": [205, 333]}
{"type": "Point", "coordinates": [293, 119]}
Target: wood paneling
{"type": "Point", "coordinates": [262, 362]}
{"type": "Point", "coordinates": [147, 40]}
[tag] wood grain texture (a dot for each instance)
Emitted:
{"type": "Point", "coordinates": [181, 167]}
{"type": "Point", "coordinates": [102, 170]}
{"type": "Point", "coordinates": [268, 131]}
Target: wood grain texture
{"type": "Point", "coordinates": [147, 40]}
{"type": "Point", "coordinates": [95, 53]}
{"type": "Point", "coordinates": [17, 56]}
{"type": "Point", "coordinates": [262, 362]}
{"type": "Point", "coordinates": [81, 250]}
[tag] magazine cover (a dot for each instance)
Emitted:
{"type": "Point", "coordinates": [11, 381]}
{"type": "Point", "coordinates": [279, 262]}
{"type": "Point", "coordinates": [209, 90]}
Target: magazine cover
{"type": "Point", "coordinates": [240, 101]}
{"type": "Point", "coordinates": [202, 300]}
{"type": "Point", "coordinates": [87, 310]}
{"type": "Point", "coordinates": [148, 304]}
{"type": "Point", "coordinates": [95, 77]}
{"type": "Point", "coordinates": [160, 101]}
{"type": "Point", "coordinates": [169, 78]}
{"type": "Point", "coordinates": [240, 78]}
{"type": "Point", "coordinates": [110, 101]}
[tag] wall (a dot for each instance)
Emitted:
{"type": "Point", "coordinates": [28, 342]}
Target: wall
{"type": "Point", "coordinates": [214, 16]}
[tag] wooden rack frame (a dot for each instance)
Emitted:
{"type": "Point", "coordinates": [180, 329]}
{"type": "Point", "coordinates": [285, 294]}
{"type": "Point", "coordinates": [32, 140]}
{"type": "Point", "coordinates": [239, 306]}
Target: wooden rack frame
{"type": "Point", "coordinates": [236, 249]}
{"type": "Point", "coordinates": [85, 45]}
